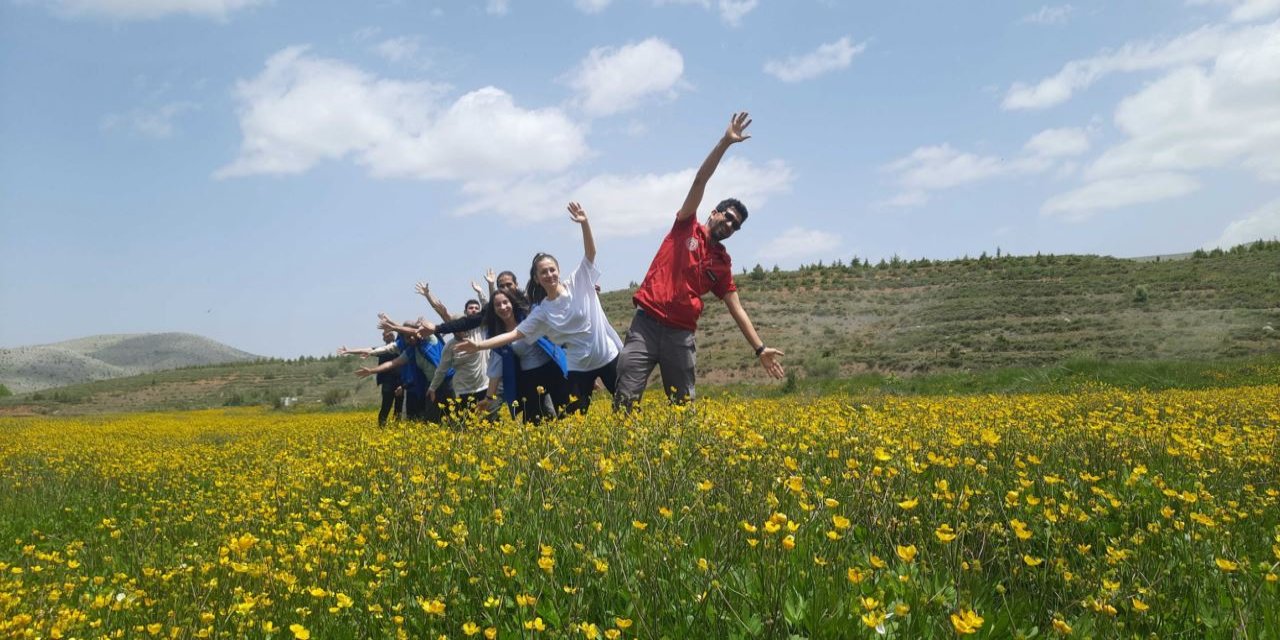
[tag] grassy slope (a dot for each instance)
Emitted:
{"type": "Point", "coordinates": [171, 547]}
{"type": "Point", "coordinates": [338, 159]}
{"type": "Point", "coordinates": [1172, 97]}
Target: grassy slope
{"type": "Point", "coordinates": [961, 326]}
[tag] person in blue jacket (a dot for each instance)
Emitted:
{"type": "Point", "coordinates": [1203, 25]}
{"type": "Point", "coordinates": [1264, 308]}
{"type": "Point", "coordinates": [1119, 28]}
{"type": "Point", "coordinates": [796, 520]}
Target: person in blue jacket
{"type": "Point", "coordinates": [417, 360]}
{"type": "Point", "coordinates": [534, 373]}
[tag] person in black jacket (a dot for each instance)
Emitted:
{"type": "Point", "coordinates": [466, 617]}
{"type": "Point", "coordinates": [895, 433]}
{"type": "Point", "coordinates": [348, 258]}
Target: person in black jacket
{"type": "Point", "coordinates": [391, 382]}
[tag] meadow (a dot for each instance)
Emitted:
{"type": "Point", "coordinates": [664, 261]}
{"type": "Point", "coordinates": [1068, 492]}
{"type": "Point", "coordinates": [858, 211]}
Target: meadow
{"type": "Point", "coordinates": [1100, 512]}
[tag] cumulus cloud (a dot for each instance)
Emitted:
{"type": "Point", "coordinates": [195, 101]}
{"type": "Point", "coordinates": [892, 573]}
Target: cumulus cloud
{"type": "Point", "coordinates": [1047, 14]}
{"type": "Point", "coordinates": [628, 204]}
{"type": "Point", "coordinates": [1220, 115]}
{"type": "Point", "coordinates": [1198, 46]}
{"type": "Point", "coordinates": [592, 6]}
{"type": "Point", "coordinates": [148, 9]}
{"type": "Point", "coordinates": [611, 80]}
{"type": "Point", "coordinates": [1245, 10]}
{"type": "Point", "coordinates": [731, 11]}
{"type": "Point", "coordinates": [826, 58]}
{"type": "Point", "coordinates": [497, 7]}
{"type": "Point", "coordinates": [400, 49]}
{"type": "Point", "coordinates": [153, 123]}
{"type": "Point", "coordinates": [1058, 143]}
{"type": "Point", "coordinates": [1116, 193]}
{"type": "Point", "coordinates": [798, 242]}
{"type": "Point", "coordinates": [1262, 224]}
{"type": "Point", "coordinates": [303, 109]}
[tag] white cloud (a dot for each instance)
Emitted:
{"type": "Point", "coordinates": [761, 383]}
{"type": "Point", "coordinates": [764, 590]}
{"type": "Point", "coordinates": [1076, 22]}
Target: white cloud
{"type": "Point", "coordinates": [798, 242]}
{"type": "Point", "coordinates": [904, 200]}
{"type": "Point", "coordinates": [1197, 46]}
{"type": "Point", "coordinates": [1262, 224]}
{"type": "Point", "coordinates": [943, 167]}
{"type": "Point", "coordinates": [826, 58]}
{"type": "Point", "coordinates": [731, 11]}
{"type": "Point", "coordinates": [304, 109]}
{"type": "Point", "coordinates": [149, 9]}
{"type": "Point", "coordinates": [1223, 115]}
{"type": "Point", "coordinates": [1116, 193]}
{"type": "Point", "coordinates": [613, 80]}
{"type": "Point", "coordinates": [1245, 10]}
{"type": "Point", "coordinates": [153, 123]}
{"type": "Point", "coordinates": [1058, 143]}
{"type": "Point", "coordinates": [1047, 14]}
{"type": "Point", "coordinates": [400, 49]}
{"type": "Point", "coordinates": [592, 6]}
{"type": "Point", "coordinates": [626, 205]}
{"type": "Point", "coordinates": [497, 7]}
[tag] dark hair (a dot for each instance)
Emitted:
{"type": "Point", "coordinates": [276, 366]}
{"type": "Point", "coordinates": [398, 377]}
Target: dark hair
{"type": "Point", "coordinates": [532, 289]}
{"type": "Point", "coordinates": [471, 302]}
{"type": "Point", "coordinates": [737, 206]}
{"type": "Point", "coordinates": [489, 317]}
{"type": "Point", "coordinates": [514, 279]}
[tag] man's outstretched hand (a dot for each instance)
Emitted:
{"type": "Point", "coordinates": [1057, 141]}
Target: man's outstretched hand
{"type": "Point", "coordinates": [737, 128]}
{"type": "Point", "coordinates": [771, 360]}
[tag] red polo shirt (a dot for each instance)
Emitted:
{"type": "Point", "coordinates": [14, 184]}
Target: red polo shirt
{"type": "Point", "coordinates": [688, 265]}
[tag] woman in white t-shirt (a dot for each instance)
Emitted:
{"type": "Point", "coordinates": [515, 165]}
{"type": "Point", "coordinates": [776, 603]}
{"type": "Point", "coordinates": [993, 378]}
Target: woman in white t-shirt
{"type": "Point", "coordinates": [568, 312]}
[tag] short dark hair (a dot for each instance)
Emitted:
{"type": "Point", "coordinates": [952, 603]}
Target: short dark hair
{"type": "Point", "coordinates": [507, 273]}
{"type": "Point", "coordinates": [737, 206]}
{"type": "Point", "coordinates": [471, 302]}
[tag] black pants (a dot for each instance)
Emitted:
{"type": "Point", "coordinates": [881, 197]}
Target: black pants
{"type": "Point", "coordinates": [391, 403]}
{"type": "Point", "coordinates": [583, 383]}
{"type": "Point", "coordinates": [554, 388]}
{"type": "Point", "coordinates": [415, 405]}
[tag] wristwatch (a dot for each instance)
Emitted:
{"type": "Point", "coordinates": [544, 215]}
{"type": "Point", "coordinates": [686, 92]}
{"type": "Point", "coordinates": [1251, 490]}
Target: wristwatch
{"type": "Point", "coordinates": [759, 350]}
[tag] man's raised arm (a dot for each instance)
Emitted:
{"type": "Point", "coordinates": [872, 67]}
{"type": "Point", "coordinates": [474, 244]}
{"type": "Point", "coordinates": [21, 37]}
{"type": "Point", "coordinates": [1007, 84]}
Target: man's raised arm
{"type": "Point", "coordinates": [735, 133]}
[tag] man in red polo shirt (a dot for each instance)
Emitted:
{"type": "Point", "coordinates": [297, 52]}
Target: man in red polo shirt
{"type": "Point", "coordinates": [690, 262]}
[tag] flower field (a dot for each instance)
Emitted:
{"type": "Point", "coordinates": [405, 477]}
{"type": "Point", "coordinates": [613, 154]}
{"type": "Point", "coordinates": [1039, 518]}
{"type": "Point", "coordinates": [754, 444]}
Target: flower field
{"type": "Point", "coordinates": [1103, 513]}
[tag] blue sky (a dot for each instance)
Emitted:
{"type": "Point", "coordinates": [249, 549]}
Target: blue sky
{"type": "Point", "coordinates": [271, 174]}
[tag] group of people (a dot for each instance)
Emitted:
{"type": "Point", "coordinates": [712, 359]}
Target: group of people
{"type": "Point", "coordinates": [543, 351]}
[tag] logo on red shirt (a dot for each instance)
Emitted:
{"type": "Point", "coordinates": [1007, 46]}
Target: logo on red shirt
{"type": "Point", "coordinates": [692, 243]}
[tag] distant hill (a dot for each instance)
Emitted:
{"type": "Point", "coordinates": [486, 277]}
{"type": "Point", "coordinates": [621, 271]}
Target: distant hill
{"type": "Point", "coordinates": [104, 357]}
{"type": "Point", "coordinates": [960, 321]}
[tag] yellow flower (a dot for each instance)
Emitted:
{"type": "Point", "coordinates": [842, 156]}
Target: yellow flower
{"type": "Point", "coordinates": [869, 603]}
{"type": "Point", "coordinates": [535, 625]}
{"type": "Point", "coordinates": [1139, 605]}
{"type": "Point", "coordinates": [789, 542]}
{"type": "Point", "coordinates": [966, 621]}
{"type": "Point", "coordinates": [882, 455]}
{"type": "Point", "coordinates": [432, 607]}
{"type": "Point", "coordinates": [855, 575]}
{"type": "Point", "coordinates": [873, 619]}
{"type": "Point", "coordinates": [1226, 565]}
{"type": "Point", "coordinates": [490, 633]}
{"type": "Point", "coordinates": [748, 527]}
{"type": "Point", "coordinates": [640, 525]}
{"type": "Point", "coordinates": [945, 533]}
{"type": "Point", "coordinates": [706, 485]}
{"type": "Point", "coordinates": [1061, 626]}
{"type": "Point", "coordinates": [909, 504]}
{"type": "Point", "coordinates": [832, 535]}
{"type": "Point", "coordinates": [665, 512]}
{"type": "Point", "coordinates": [507, 549]}
{"type": "Point", "coordinates": [703, 564]}
{"type": "Point", "coordinates": [901, 609]}
{"type": "Point", "coordinates": [589, 630]}
{"type": "Point", "coordinates": [840, 522]}
{"type": "Point", "coordinates": [795, 484]}
{"type": "Point", "coordinates": [907, 553]}
{"type": "Point", "coordinates": [470, 628]}
{"type": "Point", "coordinates": [299, 632]}
{"type": "Point", "coordinates": [526, 600]}
{"type": "Point", "coordinates": [155, 628]}
{"type": "Point", "coordinates": [1032, 561]}
{"type": "Point", "coordinates": [622, 623]}
{"type": "Point", "coordinates": [547, 563]}
{"type": "Point", "coordinates": [877, 563]}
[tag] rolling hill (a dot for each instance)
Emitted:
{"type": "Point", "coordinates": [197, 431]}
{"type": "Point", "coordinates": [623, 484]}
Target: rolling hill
{"type": "Point", "coordinates": [103, 357]}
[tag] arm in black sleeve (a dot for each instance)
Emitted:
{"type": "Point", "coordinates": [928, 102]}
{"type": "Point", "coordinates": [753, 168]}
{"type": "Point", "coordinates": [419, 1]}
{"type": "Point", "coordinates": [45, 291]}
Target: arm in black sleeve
{"type": "Point", "coordinates": [460, 325]}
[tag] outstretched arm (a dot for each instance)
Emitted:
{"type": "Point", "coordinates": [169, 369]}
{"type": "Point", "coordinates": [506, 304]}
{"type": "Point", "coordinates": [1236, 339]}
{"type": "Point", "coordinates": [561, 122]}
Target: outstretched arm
{"type": "Point", "coordinates": [579, 215]}
{"type": "Point", "coordinates": [769, 357]}
{"type": "Point", "coordinates": [363, 352]}
{"type": "Point", "coordinates": [501, 340]}
{"type": "Point", "coordinates": [385, 323]}
{"type": "Point", "coordinates": [390, 365]}
{"type": "Point", "coordinates": [479, 292]}
{"type": "Point", "coordinates": [734, 134]}
{"type": "Point", "coordinates": [424, 290]}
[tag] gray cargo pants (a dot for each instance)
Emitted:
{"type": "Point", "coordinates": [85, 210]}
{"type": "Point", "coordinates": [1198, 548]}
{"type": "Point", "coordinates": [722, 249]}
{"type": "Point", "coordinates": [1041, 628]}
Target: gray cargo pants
{"type": "Point", "coordinates": [651, 343]}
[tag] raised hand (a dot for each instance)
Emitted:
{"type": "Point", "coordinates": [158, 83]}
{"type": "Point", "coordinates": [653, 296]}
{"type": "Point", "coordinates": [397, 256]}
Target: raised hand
{"type": "Point", "coordinates": [737, 128]}
{"type": "Point", "coordinates": [577, 213]}
{"type": "Point", "coordinates": [423, 289]}
{"type": "Point", "coordinates": [490, 277]}
{"type": "Point", "coordinates": [385, 323]}
{"type": "Point", "coordinates": [342, 351]}
{"type": "Point", "coordinates": [475, 287]}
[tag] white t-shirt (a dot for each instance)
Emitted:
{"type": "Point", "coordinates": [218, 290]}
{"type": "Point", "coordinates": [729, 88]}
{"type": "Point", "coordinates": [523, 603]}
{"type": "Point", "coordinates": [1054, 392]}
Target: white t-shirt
{"type": "Point", "coordinates": [576, 321]}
